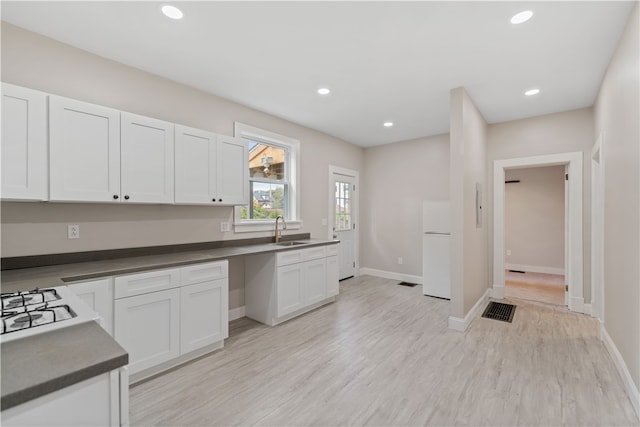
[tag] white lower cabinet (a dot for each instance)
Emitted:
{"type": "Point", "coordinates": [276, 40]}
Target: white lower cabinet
{"type": "Point", "coordinates": [97, 294]}
{"type": "Point", "coordinates": [164, 317]}
{"type": "Point", "coordinates": [281, 286]}
{"type": "Point", "coordinates": [333, 280]}
{"type": "Point", "coordinates": [98, 401]}
{"type": "Point", "coordinates": [148, 327]}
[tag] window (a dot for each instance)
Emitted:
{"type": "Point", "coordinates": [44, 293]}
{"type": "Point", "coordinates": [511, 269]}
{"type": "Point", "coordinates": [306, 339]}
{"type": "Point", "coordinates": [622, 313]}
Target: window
{"type": "Point", "coordinates": [273, 179]}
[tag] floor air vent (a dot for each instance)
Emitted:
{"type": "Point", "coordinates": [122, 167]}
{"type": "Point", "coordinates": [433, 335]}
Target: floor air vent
{"type": "Point", "coordinates": [411, 285]}
{"type": "Point", "coordinates": [499, 311]}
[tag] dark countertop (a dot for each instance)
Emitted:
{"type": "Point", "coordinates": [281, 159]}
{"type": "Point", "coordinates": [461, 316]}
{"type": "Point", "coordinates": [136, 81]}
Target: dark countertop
{"type": "Point", "coordinates": [58, 275]}
{"type": "Point", "coordinates": [55, 360]}
{"type": "Point", "coordinates": [46, 358]}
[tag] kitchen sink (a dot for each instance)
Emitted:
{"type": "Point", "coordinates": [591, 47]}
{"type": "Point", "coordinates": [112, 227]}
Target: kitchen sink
{"type": "Point", "coordinates": [291, 243]}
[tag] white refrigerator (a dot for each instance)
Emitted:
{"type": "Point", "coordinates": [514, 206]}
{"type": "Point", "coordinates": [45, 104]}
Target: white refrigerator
{"type": "Point", "coordinates": [436, 243]}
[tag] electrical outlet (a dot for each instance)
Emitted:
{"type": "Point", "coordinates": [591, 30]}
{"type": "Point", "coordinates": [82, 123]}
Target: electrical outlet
{"type": "Point", "coordinates": [508, 252]}
{"type": "Point", "coordinates": [73, 231]}
{"type": "Point", "coordinates": [400, 260]}
{"type": "Point", "coordinates": [224, 227]}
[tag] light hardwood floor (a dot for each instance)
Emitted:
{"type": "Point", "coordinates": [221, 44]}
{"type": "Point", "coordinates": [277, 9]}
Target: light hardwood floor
{"type": "Point", "coordinates": [383, 355]}
{"type": "Point", "coordinates": [548, 288]}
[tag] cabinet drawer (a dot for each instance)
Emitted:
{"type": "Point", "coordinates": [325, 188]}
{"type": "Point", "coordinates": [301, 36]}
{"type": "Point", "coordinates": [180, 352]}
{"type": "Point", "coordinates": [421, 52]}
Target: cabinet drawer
{"type": "Point", "coordinates": [143, 283]}
{"type": "Point", "coordinates": [314, 253]}
{"type": "Point", "coordinates": [199, 273]}
{"type": "Point", "coordinates": [289, 257]}
{"type": "Point", "coordinates": [332, 250]}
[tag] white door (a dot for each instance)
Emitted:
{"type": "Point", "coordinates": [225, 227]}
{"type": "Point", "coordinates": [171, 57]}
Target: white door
{"type": "Point", "coordinates": [232, 171]}
{"type": "Point", "coordinates": [84, 151]}
{"type": "Point", "coordinates": [315, 282]}
{"type": "Point", "coordinates": [24, 143]}
{"type": "Point", "coordinates": [195, 166]}
{"type": "Point", "coordinates": [148, 327]}
{"type": "Point", "coordinates": [289, 295]}
{"type": "Point", "coordinates": [344, 225]}
{"type": "Point", "coordinates": [203, 314]}
{"type": "Point", "coordinates": [147, 159]}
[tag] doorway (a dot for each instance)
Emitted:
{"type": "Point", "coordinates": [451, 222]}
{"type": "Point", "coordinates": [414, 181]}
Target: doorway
{"type": "Point", "coordinates": [574, 247]}
{"type": "Point", "coordinates": [343, 214]}
{"type": "Point", "coordinates": [535, 238]}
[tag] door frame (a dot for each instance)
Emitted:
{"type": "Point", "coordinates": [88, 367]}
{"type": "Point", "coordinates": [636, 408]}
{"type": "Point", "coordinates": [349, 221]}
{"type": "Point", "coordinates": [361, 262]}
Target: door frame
{"type": "Point", "coordinates": [574, 273]}
{"type": "Point", "coordinates": [597, 229]}
{"type": "Point", "coordinates": [337, 170]}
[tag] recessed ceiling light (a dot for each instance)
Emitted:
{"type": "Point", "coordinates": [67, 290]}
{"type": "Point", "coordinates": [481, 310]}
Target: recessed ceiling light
{"type": "Point", "coordinates": [521, 17]}
{"type": "Point", "coordinates": [324, 91]}
{"type": "Point", "coordinates": [172, 12]}
{"type": "Point", "coordinates": [387, 124]}
{"type": "Point", "coordinates": [532, 92]}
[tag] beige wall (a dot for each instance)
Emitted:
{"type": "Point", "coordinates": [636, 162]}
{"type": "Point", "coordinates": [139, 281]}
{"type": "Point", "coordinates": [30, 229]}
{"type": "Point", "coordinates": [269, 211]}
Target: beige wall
{"type": "Point", "coordinates": [570, 131]}
{"type": "Point", "coordinates": [35, 61]}
{"type": "Point", "coordinates": [616, 118]}
{"type": "Point", "coordinates": [38, 62]}
{"type": "Point", "coordinates": [534, 218]}
{"type": "Point", "coordinates": [468, 163]}
{"type": "Point", "coordinates": [396, 179]}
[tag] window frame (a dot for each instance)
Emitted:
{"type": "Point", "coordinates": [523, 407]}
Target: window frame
{"type": "Point", "coordinates": [292, 179]}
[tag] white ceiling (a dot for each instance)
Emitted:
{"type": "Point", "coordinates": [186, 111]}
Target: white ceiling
{"type": "Point", "coordinates": [383, 61]}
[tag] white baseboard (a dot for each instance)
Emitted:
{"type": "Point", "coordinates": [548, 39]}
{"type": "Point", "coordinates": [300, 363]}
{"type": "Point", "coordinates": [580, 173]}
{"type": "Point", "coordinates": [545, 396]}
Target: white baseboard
{"type": "Point", "coordinates": [497, 292]}
{"type": "Point", "coordinates": [391, 275]}
{"type": "Point", "coordinates": [586, 309]}
{"type": "Point", "coordinates": [236, 313]}
{"type": "Point", "coordinates": [534, 268]}
{"type": "Point", "coordinates": [461, 325]}
{"type": "Point", "coordinates": [576, 304]}
{"type": "Point", "coordinates": [627, 380]}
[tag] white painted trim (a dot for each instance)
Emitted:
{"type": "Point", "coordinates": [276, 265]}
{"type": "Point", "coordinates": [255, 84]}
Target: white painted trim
{"type": "Point", "coordinates": [587, 309]}
{"type": "Point", "coordinates": [356, 208]}
{"type": "Point", "coordinates": [236, 313]}
{"type": "Point", "coordinates": [574, 272]}
{"type": "Point", "coordinates": [461, 325]}
{"type": "Point", "coordinates": [391, 275]}
{"type": "Point", "coordinates": [263, 225]}
{"type": "Point", "coordinates": [497, 291]}
{"type": "Point", "coordinates": [627, 380]}
{"type": "Point", "coordinates": [535, 269]}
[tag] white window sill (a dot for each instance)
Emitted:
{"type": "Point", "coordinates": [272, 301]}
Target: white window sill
{"type": "Point", "coordinates": [263, 225]}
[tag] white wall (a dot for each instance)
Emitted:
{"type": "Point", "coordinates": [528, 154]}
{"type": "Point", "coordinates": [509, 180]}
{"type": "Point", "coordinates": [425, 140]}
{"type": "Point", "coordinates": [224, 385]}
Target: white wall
{"type": "Point", "coordinates": [396, 179]}
{"type": "Point", "coordinates": [468, 163]}
{"type": "Point", "coordinates": [569, 131]}
{"type": "Point", "coordinates": [31, 60]}
{"type": "Point", "coordinates": [617, 115]}
{"type": "Point", "coordinates": [534, 219]}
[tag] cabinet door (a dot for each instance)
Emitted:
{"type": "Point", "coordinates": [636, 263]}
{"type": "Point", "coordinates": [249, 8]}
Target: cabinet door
{"type": "Point", "coordinates": [148, 327]}
{"type": "Point", "coordinates": [84, 151]}
{"type": "Point", "coordinates": [289, 293]}
{"type": "Point", "coordinates": [195, 163]}
{"type": "Point", "coordinates": [232, 171]}
{"type": "Point", "coordinates": [146, 160]}
{"type": "Point", "coordinates": [24, 144]}
{"type": "Point", "coordinates": [315, 281]}
{"type": "Point", "coordinates": [204, 314]}
{"type": "Point", "coordinates": [97, 294]}
{"type": "Point", "coordinates": [333, 283]}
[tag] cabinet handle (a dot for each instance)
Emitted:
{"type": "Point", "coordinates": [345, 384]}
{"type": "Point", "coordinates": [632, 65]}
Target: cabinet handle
{"type": "Point", "coordinates": [115, 197]}
{"type": "Point", "coordinates": [219, 200]}
{"type": "Point", "coordinates": [126, 197]}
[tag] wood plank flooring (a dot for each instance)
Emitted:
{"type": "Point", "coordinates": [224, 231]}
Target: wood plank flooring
{"type": "Point", "coordinates": [383, 355]}
{"type": "Point", "coordinates": [548, 288]}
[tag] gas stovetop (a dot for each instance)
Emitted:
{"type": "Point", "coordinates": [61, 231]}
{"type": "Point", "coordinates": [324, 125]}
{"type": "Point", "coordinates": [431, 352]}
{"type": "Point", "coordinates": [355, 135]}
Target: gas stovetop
{"type": "Point", "coordinates": [41, 310]}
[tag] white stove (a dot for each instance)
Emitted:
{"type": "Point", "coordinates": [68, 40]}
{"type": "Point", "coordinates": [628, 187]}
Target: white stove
{"type": "Point", "coordinates": [41, 310]}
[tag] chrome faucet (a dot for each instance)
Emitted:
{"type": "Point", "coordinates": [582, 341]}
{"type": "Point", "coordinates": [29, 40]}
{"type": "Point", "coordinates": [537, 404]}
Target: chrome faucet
{"type": "Point", "coordinates": [284, 227]}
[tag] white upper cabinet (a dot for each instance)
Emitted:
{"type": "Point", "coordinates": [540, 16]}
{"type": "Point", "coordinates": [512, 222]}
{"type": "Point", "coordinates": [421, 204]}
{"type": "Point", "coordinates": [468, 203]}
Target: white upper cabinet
{"type": "Point", "coordinates": [233, 171]}
{"type": "Point", "coordinates": [146, 159]}
{"type": "Point", "coordinates": [24, 143]}
{"type": "Point", "coordinates": [195, 161]}
{"type": "Point", "coordinates": [210, 169]}
{"type": "Point", "coordinates": [84, 151]}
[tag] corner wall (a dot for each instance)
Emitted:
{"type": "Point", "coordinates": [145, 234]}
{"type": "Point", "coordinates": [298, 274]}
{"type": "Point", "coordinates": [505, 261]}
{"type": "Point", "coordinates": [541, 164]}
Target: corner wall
{"type": "Point", "coordinates": [468, 167]}
{"type": "Point", "coordinates": [617, 112]}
